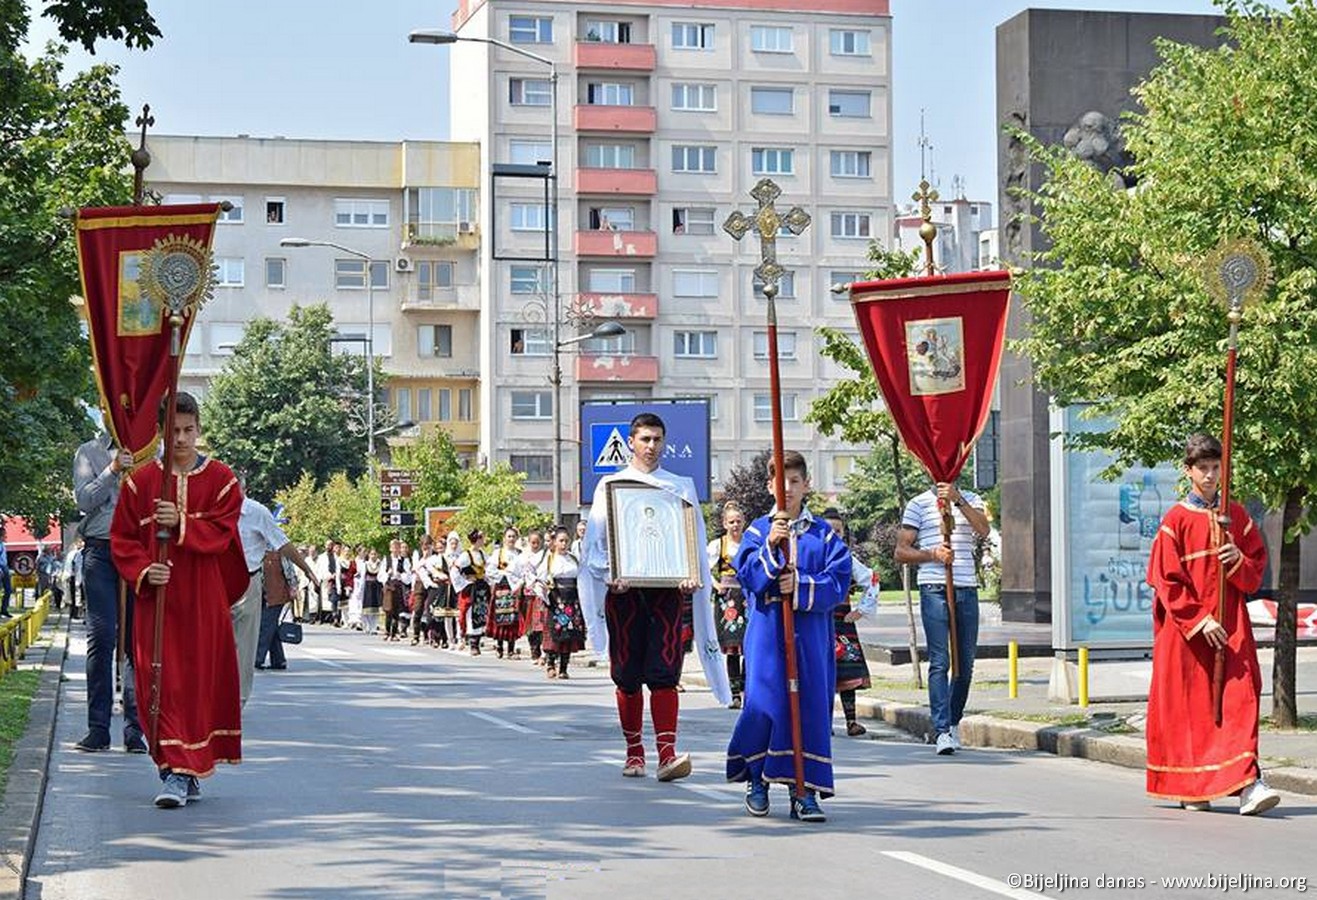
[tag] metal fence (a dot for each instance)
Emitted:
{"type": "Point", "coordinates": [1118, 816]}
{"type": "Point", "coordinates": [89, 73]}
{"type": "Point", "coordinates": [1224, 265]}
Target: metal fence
{"type": "Point", "coordinates": [21, 632]}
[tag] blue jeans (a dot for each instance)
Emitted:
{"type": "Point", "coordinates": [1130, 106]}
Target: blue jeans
{"type": "Point", "coordinates": [268, 643]}
{"type": "Point", "coordinates": [101, 583]}
{"type": "Point", "coordinates": [6, 590]}
{"type": "Point", "coordinates": [946, 698]}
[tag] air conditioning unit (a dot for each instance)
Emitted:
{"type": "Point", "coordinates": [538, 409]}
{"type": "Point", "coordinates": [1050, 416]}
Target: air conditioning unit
{"type": "Point", "coordinates": [402, 264]}
{"type": "Point", "coordinates": [466, 228]}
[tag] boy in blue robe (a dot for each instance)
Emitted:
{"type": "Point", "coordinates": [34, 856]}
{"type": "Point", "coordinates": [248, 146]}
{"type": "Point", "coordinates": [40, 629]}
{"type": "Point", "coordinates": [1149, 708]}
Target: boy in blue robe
{"type": "Point", "coordinates": [817, 580]}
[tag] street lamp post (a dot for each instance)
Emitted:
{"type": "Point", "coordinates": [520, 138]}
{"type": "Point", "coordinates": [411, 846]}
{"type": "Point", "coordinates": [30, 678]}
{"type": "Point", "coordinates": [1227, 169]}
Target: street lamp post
{"type": "Point", "coordinates": [434, 36]}
{"type": "Point", "coordinates": [370, 328]}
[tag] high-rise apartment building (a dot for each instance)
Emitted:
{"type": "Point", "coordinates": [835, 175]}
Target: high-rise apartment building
{"type": "Point", "coordinates": [668, 113]}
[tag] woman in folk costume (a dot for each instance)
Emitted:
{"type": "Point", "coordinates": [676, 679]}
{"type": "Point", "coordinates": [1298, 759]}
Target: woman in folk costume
{"type": "Point", "coordinates": [396, 575]}
{"type": "Point", "coordinates": [727, 597]}
{"type": "Point", "coordinates": [443, 608]}
{"type": "Point", "coordinates": [505, 622]}
{"type": "Point", "coordinates": [421, 583]}
{"type": "Point", "coordinates": [533, 610]}
{"type": "Point", "coordinates": [1191, 758]}
{"type": "Point", "coordinates": [555, 582]}
{"type": "Point", "coordinates": [354, 583]}
{"type": "Point", "coordinates": [852, 668]}
{"type": "Point", "coordinates": [468, 577]}
{"type": "Point", "coordinates": [372, 592]}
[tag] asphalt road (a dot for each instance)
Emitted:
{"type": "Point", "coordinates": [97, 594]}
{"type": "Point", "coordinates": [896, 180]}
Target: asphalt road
{"type": "Point", "coordinates": [379, 770]}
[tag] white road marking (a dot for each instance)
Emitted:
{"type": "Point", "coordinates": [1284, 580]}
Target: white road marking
{"type": "Point", "coordinates": [398, 651]}
{"type": "Point", "coordinates": [324, 652]}
{"type": "Point", "coordinates": [502, 723]}
{"type": "Point", "coordinates": [965, 875]}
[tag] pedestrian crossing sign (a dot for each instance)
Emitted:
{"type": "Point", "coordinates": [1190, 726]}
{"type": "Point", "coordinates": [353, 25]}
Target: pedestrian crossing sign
{"type": "Point", "coordinates": [608, 446]}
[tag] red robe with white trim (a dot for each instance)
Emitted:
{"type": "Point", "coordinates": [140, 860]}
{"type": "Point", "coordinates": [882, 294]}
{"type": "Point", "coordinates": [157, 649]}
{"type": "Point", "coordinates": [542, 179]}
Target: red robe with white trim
{"type": "Point", "coordinates": [200, 712]}
{"type": "Point", "coordinates": [1190, 758]}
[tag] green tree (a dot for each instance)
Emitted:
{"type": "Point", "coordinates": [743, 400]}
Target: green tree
{"type": "Point", "coordinates": [491, 501]}
{"type": "Point", "coordinates": [286, 403]}
{"type": "Point", "coordinates": [438, 470]}
{"type": "Point", "coordinates": [1225, 146]}
{"type": "Point", "coordinates": [747, 486]}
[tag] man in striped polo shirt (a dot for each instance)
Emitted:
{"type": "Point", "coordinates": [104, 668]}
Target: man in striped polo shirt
{"type": "Point", "coordinates": [920, 543]}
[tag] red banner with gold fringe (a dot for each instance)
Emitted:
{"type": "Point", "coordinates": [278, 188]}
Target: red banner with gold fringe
{"type": "Point", "coordinates": [128, 325]}
{"type": "Point", "coordinates": [935, 345]}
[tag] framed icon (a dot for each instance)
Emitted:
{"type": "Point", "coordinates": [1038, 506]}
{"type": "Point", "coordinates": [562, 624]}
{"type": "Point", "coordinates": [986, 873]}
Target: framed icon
{"type": "Point", "coordinates": [652, 536]}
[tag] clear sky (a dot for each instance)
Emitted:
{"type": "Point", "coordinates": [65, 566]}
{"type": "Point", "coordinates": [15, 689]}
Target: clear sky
{"type": "Point", "coordinates": [311, 69]}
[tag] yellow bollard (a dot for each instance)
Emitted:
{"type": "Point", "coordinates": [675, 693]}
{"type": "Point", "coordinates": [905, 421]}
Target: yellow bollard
{"type": "Point", "coordinates": [1083, 676]}
{"type": "Point", "coordinates": [1014, 651]}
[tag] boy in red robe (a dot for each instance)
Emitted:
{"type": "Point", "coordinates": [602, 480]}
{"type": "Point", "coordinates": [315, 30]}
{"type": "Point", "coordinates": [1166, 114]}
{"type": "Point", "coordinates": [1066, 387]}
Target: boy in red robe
{"type": "Point", "coordinates": [1190, 758]}
{"type": "Point", "coordinates": [200, 720]}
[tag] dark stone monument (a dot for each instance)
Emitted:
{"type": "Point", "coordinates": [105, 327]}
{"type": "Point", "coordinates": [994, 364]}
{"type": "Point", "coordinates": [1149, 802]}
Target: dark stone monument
{"type": "Point", "coordinates": [1064, 77]}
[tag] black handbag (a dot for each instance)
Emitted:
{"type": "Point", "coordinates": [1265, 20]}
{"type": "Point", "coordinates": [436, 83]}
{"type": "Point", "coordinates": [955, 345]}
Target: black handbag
{"type": "Point", "coordinates": [290, 632]}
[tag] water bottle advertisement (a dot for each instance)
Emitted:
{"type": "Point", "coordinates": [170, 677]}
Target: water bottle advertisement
{"type": "Point", "coordinates": [1102, 532]}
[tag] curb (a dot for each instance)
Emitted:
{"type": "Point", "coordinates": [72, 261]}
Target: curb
{"type": "Point", "coordinates": [986, 730]}
{"type": "Point", "coordinates": [20, 807]}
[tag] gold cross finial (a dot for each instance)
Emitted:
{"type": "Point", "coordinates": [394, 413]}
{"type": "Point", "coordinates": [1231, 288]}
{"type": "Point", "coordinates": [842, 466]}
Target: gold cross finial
{"type": "Point", "coordinates": [141, 157]}
{"type": "Point", "coordinates": [926, 196]}
{"type": "Point", "coordinates": [768, 222]}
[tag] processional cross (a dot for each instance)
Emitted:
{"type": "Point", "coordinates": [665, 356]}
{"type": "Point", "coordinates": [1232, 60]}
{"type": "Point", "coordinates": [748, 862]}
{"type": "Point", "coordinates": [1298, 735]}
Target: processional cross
{"type": "Point", "coordinates": [768, 222]}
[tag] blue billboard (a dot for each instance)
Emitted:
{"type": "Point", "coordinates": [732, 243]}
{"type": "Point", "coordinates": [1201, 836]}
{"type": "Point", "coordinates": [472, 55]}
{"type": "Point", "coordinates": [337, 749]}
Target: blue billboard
{"type": "Point", "coordinates": [605, 425]}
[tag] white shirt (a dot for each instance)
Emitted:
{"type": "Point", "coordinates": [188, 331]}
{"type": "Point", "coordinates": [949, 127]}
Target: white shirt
{"type": "Point", "coordinates": [259, 533]}
{"type": "Point", "coordinates": [922, 515]}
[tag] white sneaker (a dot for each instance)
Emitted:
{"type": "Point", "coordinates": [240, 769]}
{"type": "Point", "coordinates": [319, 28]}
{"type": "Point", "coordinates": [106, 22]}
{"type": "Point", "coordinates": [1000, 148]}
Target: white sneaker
{"type": "Point", "coordinates": [945, 745]}
{"type": "Point", "coordinates": [1196, 805]}
{"type": "Point", "coordinates": [955, 737]}
{"type": "Point", "coordinates": [1257, 798]}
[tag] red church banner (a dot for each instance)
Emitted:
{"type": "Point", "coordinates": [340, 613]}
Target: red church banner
{"type": "Point", "coordinates": [935, 344]}
{"type": "Point", "coordinates": [126, 318]}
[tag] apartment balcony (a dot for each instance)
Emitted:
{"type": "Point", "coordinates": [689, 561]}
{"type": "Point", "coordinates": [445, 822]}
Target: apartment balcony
{"type": "Point", "coordinates": [618, 57]}
{"type": "Point", "coordinates": [621, 306]}
{"type": "Point", "coordinates": [613, 369]}
{"type": "Point", "coordinates": [459, 432]}
{"type": "Point", "coordinates": [421, 235]}
{"type": "Point", "coordinates": [463, 298]}
{"type": "Point", "coordinates": [631, 182]}
{"type": "Point", "coordinates": [616, 119]}
{"type": "Point", "coordinates": [616, 243]}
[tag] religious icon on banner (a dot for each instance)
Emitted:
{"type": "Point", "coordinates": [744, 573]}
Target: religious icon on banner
{"type": "Point", "coordinates": [935, 350]}
{"type": "Point", "coordinates": [651, 536]}
{"type": "Point", "coordinates": [139, 312]}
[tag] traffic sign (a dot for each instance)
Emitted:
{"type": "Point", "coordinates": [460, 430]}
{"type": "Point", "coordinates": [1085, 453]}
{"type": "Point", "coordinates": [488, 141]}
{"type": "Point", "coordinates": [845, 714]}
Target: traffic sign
{"type": "Point", "coordinates": [396, 490]}
{"type": "Point", "coordinates": [397, 476]}
{"type": "Point", "coordinates": [393, 504]}
{"type": "Point", "coordinates": [397, 519]}
{"type": "Point", "coordinates": [605, 425]}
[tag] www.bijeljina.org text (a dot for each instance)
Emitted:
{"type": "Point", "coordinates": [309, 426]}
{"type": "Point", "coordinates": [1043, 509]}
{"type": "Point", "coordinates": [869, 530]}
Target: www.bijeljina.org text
{"type": "Point", "coordinates": [1216, 881]}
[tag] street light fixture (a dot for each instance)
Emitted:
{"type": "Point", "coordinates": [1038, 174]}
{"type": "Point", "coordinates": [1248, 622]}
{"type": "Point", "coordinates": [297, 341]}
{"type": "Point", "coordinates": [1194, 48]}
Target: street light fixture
{"type": "Point", "coordinates": [438, 36]}
{"type": "Point", "coordinates": [370, 327]}
{"type": "Point", "coordinates": [602, 330]}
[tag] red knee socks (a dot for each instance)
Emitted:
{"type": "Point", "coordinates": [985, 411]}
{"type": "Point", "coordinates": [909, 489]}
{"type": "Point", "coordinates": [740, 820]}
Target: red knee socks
{"type": "Point", "coordinates": [663, 713]}
{"type": "Point", "coordinates": [631, 713]}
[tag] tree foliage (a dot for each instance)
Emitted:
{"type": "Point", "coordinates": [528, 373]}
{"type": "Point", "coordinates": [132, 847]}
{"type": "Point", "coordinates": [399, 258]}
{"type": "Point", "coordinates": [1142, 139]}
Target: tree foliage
{"type": "Point", "coordinates": [438, 471]}
{"type": "Point", "coordinates": [61, 145]}
{"type": "Point", "coordinates": [87, 21]}
{"type": "Point", "coordinates": [1225, 146]}
{"type": "Point", "coordinates": [344, 509]}
{"type": "Point", "coordinates": [287, 404]}
{"type": "Point", "coordinates": [491, 501]}
{"type": "Point", "coordinates": [748, 486]}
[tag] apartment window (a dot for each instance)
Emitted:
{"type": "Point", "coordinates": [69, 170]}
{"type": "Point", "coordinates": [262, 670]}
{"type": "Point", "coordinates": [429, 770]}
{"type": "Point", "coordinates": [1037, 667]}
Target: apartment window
{"type": "Point", "coordinates": [528, 153]}
{"type": "Point", "coordinates": [351, 213]}
{"type": "Point", "coordinates": [842, 467]}
{"type": "Point", "coordinates": [230, 271]}
{"type": "Point", "coordinates": [530, 92]}
{"type": "Point", "coordinates": [464, 404]}
{"type": "Point", "coordinates": [848, 104]}
{"type": "Point", "coordinates": [786, 287]}
{"type": "Point", "coordinates": [764, 409]}
{"type": "Point", "coordinates": [692, 36]}
{"type": "Point", "coordinates": [786, 345]}
{"type": "Point", "coordinates": [181, 199]}
{"type": "Point", "coordinates": [772, 101]}
{"type": "Point", "coordinates": [529, 217]}
{"type": "Point", "coordinates": [612, 281]}
{"type": "Point", "coordinates": [350, 274]}
{"type": "Point", "coordinates": [530, 30]}
{"type": "Point", "coordinates": [691, 96]}
{"type": "Point", "coordinates": [610, 93]}
{"type": "Point", "coordinates": [528, 279]}
{"type": "Point", "coordinates": [843, 42]}
{"type": "Point", "coordinates": [772, 161]}
{"type": "Point", "coordinates": [693, 220]}
{"type": "Point", "coordinates": [694, 283]}
{"type": "Point", "coordinates": [610, 156]}
{"type": "Point", "coordinates": [423, 409]}
{"type": "Point", "coordinates": [695, 344]}
{"type": "Point", "coordinates": [613, 218]}
{"type": "Point", "coordinates": [850, 225]}
{"type": "Point", "coordinates": [837, 277]}
{"type": "Point", "coordinates": [274, 210]}
{"type": "Point", "coordinates": [607, 32]}
{"type": "Point", "coordinates": [770, 39]}
{"type": "Point", "coordinates": [445, 398]}
{"type": "Point", "coordinates": [276, 271]}
{"type": "Point", "coordinates": [434, 340]}
{"type": "Point", "coordinates": [432, 274]}
{"type": "Point", "coordinates": [537, 467]}
{"type": "Point", "coordinates": [402, 402]}
{"type": "Point", "coordinates": [439, 212]}
{"type": "Point", "coordinates": [621, 345]}
{"type": "Point", "coordinates": [690, 158]}
{"type": "Point", "coordinates": [233, 215]}
{"type": "Point", "coordinates": [224, 337]}
{"type": "Point", "coordinates": [532, 404]}
{"type": "Point", "coordinates": [531, 342]}
{"type": "Point", "coordinates": [850, 163]}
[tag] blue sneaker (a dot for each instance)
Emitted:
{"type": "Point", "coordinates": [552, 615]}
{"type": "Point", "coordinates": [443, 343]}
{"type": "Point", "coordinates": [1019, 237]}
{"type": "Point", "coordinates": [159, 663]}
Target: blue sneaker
{"type": "Point", "coordinates": [193, 789]}
{"type": "Point", "coordinates": [756, 797]}
{"type": "Point", "coordinates": [807, 808]}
